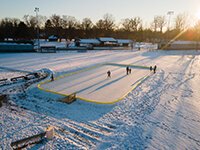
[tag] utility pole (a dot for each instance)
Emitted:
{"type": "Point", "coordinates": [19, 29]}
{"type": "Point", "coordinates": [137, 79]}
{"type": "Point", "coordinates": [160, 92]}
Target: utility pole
{"type": "Point", "coordinates": [38, 34]}
{"type": "Point", "coordinates": [169, 13]}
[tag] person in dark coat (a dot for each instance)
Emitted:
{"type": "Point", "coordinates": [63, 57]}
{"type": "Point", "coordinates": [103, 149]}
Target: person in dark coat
{"type": "Point", "coordinates": [151, 68]}
{"type": "Point", "coordinates": [36, 75]}
{"type": "Point", "coordinates": [52, 77]}
{"type": "Point", "coordinates": [154, 69]}
{"type": "Point", "coordinates": [130, 71]}
{"type": "Point", "coordinates": [127, 70]}
{"type": "Point", "coordinates": [109, 74]}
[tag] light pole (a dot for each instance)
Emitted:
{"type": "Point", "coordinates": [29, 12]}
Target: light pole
{"type": "Point", "coordinates": [38, 42]}
{"type": "Point", "coordinates": [169, 13]}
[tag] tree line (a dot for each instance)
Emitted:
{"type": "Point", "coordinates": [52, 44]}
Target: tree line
{"type": "Point", "coordinates": [69, 27]}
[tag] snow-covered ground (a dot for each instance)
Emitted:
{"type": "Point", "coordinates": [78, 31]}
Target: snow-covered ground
{"type": "Point", "coordinates": [7, 74]}
{"type": "Point", "coordinates": [162, 113]}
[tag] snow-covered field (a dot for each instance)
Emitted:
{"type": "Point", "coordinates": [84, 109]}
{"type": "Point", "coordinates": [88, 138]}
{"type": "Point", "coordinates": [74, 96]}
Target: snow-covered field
{"type": "Point", "coordinates": [162, 113]}
{"type": "Point", "coordinates": [4, 73]}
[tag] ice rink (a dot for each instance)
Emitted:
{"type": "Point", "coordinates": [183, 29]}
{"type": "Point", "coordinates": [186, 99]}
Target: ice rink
{"type": "Point", "coordinates": [94, 85]}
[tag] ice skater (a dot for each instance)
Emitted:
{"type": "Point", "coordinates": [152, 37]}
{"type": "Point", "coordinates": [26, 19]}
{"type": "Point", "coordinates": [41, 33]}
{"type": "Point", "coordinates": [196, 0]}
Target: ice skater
{"type": "Point", "coordinates": [52, 77]}
{"type": "Point", "coordinates": [154, 69]}
{"type": "Point", "coordinates": [109, 74]}
{"type": "Point", "coordinates": [151, 68]}
{"type": "Point", "coordinates": [127, 70]}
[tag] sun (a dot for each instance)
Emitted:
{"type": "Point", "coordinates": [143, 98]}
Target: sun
{"type": "Point", "coordinates": [198, 15]}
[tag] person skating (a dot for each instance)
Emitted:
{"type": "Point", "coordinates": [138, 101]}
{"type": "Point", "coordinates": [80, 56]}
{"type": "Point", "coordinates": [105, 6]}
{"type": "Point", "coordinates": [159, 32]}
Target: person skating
{"type": "Point", "coordinates": [130, 71]}
{"type": "Point", "coordinates": [127, 70]}
{"type": "Point", "coordinates": [154, 69]}
{"type": "Point", "coordinates": [52, 77]}
{"type": "Point", "coordinates": [109, 74]}
{"type": "Point", "coordinates": [151, 68]}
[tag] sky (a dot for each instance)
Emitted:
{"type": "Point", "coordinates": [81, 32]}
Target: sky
{"type": "Point", "coordinates": [95, 9]}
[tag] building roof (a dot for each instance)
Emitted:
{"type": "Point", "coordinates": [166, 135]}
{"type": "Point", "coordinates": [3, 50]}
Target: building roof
{"type": "Point", "coordinates": [124, 41]}
{"type": "Point", "coordinates": [89, 41]}
{"type": "Point", "coordinates": [184, 42]}
{"type": "Point", "coordinates": [53, 37]}
{"type": "Point", "coordinates": [107, 39]}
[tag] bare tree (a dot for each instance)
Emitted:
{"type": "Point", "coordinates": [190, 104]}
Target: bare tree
{"type": "Point", "coordinates": [132, 24]}
{"type": "Point", "coordinates": [56, 20]}
{"type": "Point", "coordinates": [126, 24]}
{"type": "Point", "coordinates": [69, 22]}
{"type": "Point", "coordinates": [41, 21]}
{"type": "Point", "coordinates": [158, 23]}
{"type": "Point", "coordinates": [161, 22]}
{"type": "Point", "coordinates": [100, 24]}
{"type": "Point", "coordinates": [181, 22]}
{"type": "Point", "coordinates": [109, 22]}
{"type": "Point", "coordinates": [135, 23]}
{"type": "Point", "coordinates": [32, 21]}
{"type": "Point", "coordinates": [71, 27]}
{"type": "Point", "coordinates": [154, 24]}
{"type": "Point", "coordinates": [86, 24]}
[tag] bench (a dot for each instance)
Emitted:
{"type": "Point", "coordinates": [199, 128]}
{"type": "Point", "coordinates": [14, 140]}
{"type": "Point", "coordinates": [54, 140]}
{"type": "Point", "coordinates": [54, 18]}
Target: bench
{"type": "Point", "coordinates": [28, 141]}
{"type": "Point", "coordinates": [69, 99]}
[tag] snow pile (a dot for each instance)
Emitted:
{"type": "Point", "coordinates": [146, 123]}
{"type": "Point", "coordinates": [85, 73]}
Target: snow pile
{"type": "Point", "coordinates": [45, 71]}
{"type": "Point", "coordinates": [5, 74]}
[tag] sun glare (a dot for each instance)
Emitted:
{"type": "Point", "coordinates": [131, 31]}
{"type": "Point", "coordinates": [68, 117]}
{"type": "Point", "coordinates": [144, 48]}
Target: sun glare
{"type": "Point", "coordinates": [198, 15]}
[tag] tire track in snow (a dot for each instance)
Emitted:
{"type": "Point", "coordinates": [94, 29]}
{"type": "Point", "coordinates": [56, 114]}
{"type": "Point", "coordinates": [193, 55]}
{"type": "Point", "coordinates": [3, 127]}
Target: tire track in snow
{"type": "Point", "coordinates": [88, 134]}
{"type": "Point", "coordinates": [155, 87]}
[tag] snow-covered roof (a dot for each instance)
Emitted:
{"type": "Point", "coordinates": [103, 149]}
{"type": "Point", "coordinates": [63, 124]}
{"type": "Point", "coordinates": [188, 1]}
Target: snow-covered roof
{"type": "Point", "coordinates": [89, 41]}
{"type": "Point", "coordinates": [53, 37]}
{"type": "Point", "coordinates": [183, 42]}
{"type": "Point", "coordinates": [55, 44]}
{"type": "Point", "coordinates": [13, 44]}
{"type": "Point", "coordinates": [107, 39]}
{"type": "Point", "coordinates": [124, 41]}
